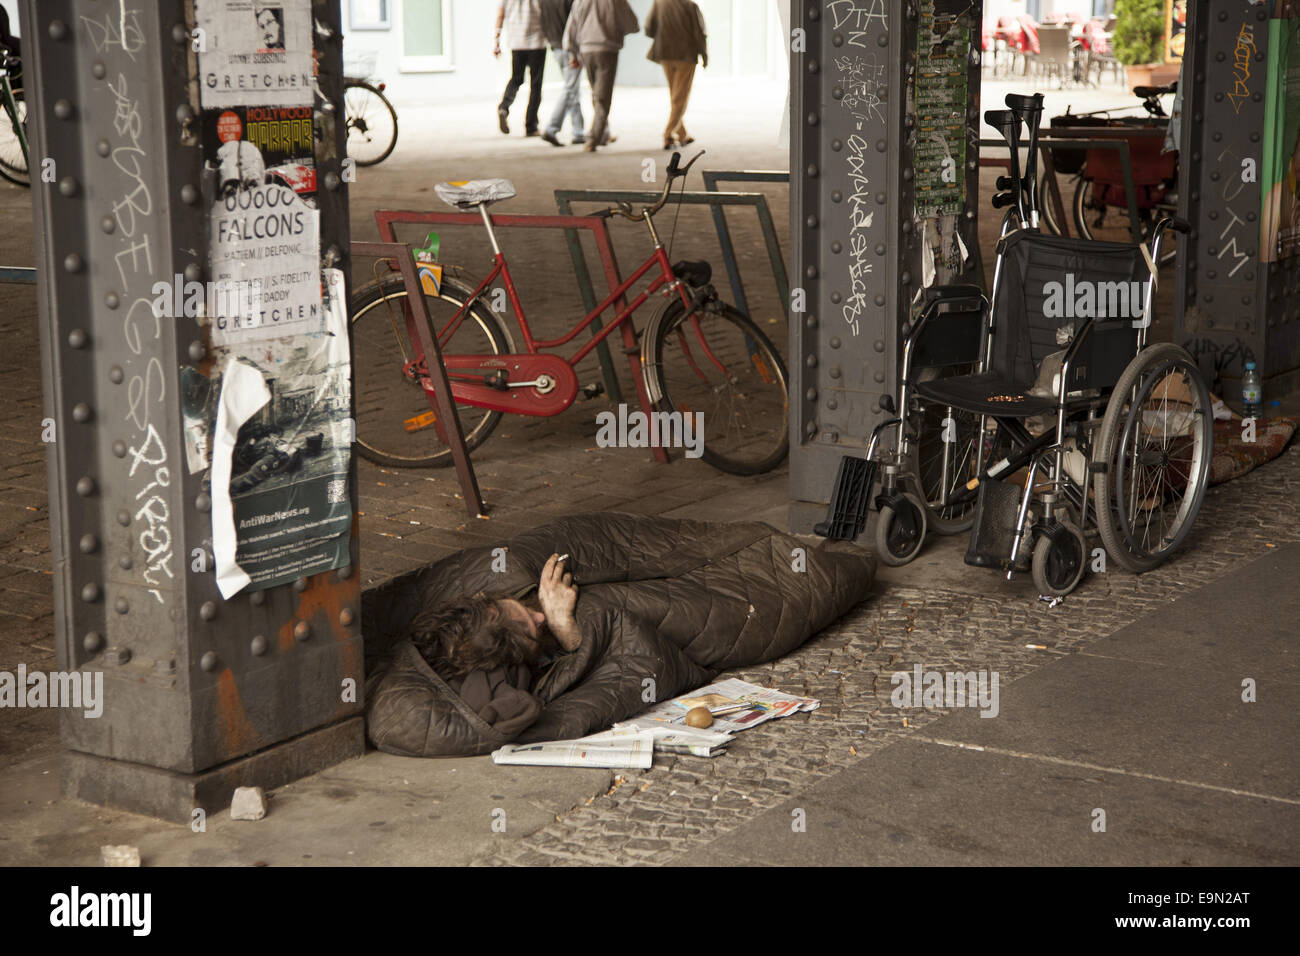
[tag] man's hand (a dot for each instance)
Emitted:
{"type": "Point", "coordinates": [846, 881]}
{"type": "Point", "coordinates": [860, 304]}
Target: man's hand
{"type": "Point", "coordinates": [558, 596]}
{"type": "Point", "coordinates": [574, 63]}
{"type": "Point", "coordinates": [496, 47]}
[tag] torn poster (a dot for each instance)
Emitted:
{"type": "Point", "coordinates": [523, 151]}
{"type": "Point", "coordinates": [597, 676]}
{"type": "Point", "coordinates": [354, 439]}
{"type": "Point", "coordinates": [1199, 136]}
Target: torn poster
{"type": "Point", "coordinates": [281, 453]}
{"type": "Point", "coordinates": [254, 53]}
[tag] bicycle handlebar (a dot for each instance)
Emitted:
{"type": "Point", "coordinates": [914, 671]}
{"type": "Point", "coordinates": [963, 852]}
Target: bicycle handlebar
{"type": "Point", "coordinates": [675, 171]}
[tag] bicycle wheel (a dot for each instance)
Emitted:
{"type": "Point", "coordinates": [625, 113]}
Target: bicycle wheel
{"type": "Point", "coordinates": [394, 421]}
{"type": "Point", "coordinates": [1048, 208]}
{"type": "Point", "coordinates": [372, 123]}
{"type": "Point", "coordinates": [1095, 218]}
{"type": "Point", "coordinates": [13, 164]}
{"type": "Point", "coordinates": [1156, 442]}
{"type": "Point", "coordinates": [718, 364]}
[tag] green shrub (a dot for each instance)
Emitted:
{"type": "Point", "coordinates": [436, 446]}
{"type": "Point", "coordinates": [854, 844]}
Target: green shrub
{"type": "Point", "coordinates": [1139, 31]}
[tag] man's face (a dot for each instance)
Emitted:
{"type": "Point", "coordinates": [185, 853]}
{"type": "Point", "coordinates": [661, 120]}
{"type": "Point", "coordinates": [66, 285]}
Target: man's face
{"type": "Point", "coordinates": [534, 620]}
{"type": "Point", "coordinates": [270, 27]}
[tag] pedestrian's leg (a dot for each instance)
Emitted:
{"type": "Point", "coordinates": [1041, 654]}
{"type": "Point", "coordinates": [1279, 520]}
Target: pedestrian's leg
{"type": "Point", "coordinates": [512, 88]}
{"type": "Point", "coordinates": [536, 60]}
{"type": "Point", "coordinates": [670, 74]}
{"type": "Point", "coordinates": [682, 97]}
{"type": "Point", "coordinates": [557, 115]}
{"type": "Point", "coordinates": [573, 96]}
{"type": "Point", "coordinates": [609, 69]}
{"type": "Point", "coordinates": [599, 109]}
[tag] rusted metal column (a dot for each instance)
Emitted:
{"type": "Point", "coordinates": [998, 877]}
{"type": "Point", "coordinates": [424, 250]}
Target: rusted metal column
{"type": "Point", "coordinates": [140, 113]}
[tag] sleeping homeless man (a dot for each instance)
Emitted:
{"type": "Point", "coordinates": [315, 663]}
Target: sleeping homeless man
{"type": "Point", "coordinates": [559, 632]}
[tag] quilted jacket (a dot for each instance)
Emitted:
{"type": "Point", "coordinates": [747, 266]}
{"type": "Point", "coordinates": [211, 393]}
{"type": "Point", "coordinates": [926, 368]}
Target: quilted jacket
{"type": "Point", "coordinates": [664, 605]}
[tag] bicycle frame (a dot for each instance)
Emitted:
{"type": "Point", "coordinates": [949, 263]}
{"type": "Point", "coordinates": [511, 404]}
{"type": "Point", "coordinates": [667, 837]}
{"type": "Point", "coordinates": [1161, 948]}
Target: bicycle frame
{"type": "Point", "coordinates": [501, 269]}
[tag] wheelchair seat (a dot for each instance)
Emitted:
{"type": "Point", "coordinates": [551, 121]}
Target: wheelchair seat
{"type": "Point", "coordinates": [469, 193]}
{"type": "Point", "coordinates": [986, 394]}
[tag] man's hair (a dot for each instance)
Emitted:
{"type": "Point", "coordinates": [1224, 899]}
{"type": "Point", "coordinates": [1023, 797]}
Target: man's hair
{"type": "Point", "coordinates": [469, 634]}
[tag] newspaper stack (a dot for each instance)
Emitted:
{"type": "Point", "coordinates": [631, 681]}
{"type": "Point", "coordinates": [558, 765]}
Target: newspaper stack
{"type": "Point", "coordinates": [735, 706]}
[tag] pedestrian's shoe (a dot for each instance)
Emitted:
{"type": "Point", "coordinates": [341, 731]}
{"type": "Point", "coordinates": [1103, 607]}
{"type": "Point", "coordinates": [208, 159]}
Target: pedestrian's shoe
{"type": "Point", "coordinates": [688, 140]}
{"type": "Point", "coordinates": [549, 137]}
{"type": "Point", "coordinates": [609, 139]}
{"type": "Point", "coordinates": [502, 117]}
{"type": "Point", "coordinates": [532, 133]}
{"type": "Point", "coordinates": [589, 146]}
{"type": "Point", "coordinates": [669, 144]}
{"type": "Point", "coordinates": [579, 140]}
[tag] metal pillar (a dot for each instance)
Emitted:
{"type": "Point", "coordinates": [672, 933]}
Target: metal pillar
{"type": "Point", "coordinates": [201, 694]}
{"type": "Point", "coordinates": [884, 148]}
{"type": "Point", "coordinates": [1238, 295]}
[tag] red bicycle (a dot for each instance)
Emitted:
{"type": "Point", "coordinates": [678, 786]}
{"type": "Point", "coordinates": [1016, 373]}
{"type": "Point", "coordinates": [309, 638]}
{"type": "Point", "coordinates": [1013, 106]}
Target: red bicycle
{"type": "Point", "coordinates": [698, 356]}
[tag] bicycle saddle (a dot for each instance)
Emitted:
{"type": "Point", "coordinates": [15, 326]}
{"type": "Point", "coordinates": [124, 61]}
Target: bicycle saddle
{"type": "Point", "coordinates": [468, 193]}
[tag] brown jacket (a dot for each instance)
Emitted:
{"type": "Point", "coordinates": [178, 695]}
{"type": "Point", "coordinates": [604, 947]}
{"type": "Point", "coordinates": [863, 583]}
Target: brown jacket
{"type": "Point", "coordinates": [677, 28]}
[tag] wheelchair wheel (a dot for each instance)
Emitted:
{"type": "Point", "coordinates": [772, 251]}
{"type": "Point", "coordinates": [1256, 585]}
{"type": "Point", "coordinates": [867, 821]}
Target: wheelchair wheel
{"type": "Point", "coordinates": [954, 432]}
{"type": "Point", "coordinates": [1060, 560]}
{"type": "Point", "coordinates": [900, 531]}
{"type": "Point", "coordinates": [1155, 446]}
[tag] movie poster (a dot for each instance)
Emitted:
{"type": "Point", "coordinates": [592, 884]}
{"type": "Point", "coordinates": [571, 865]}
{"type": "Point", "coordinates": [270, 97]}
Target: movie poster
{"type": "Point", "coordinates": [254, 53]}
{"type": "Point", "coordinates": [1175, 30]}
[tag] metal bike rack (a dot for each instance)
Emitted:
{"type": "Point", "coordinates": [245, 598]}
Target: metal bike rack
{"type": "Point", "coordinates": [564, 199]}
{"type": "Point", "coordinates": [443, 405]}
{"type": "Point", "coordinates": [18, 275]}
{"type": "Point", "coordinates": [387, 219]}
{"type": "Point", "coordinates": [711, 179]}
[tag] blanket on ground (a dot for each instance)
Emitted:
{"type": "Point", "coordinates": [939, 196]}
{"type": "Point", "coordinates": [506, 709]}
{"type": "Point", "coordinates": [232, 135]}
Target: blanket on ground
{"type": "Point", "coordinates": [664, 605]}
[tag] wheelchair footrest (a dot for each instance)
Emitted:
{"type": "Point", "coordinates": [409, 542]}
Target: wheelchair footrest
{"type": "Point", "coordinates": [850, 500]}
{"type": "Point", "coordinates": [994, 530]}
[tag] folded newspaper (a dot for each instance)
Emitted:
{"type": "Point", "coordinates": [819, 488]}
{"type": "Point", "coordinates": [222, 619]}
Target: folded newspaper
{"type": "Point", "coordinates": [736, 706]}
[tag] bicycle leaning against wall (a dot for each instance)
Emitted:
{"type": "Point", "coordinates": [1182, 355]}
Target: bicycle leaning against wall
{"type": "Point", "coordinates": [698, 355]}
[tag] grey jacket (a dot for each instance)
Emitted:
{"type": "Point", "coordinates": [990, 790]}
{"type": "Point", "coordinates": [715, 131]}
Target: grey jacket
{"type": "Point", "coordinates": [555, 14]}
{"type": "Point", "coordinates": [677, 28]}
{"type": "Point", "coordinates": [599, 25]}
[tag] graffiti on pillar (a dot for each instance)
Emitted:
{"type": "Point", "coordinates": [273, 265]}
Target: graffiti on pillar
{"type": "Point", "coordinates": [134, 212]}
{"type": "Point", "coordinates": [861, 218]}
{"type": "Point", "coordinates": [1242, 56]}
{"type": "Point", "coordinates": [939, 155]}
{"type": "Point", "coordinates": [856, 17]}
{"type": "Point", "coordinates": [865, 85]}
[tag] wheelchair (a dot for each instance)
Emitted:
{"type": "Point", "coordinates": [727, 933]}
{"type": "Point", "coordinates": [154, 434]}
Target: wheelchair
{"type": "Point", "coordinates": [1050, 378]}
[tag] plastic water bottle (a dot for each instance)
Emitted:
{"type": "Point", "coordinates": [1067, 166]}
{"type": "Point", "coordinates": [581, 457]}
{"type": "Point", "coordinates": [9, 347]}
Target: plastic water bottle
{"type": "Point", "coordinates": [1251, 392]}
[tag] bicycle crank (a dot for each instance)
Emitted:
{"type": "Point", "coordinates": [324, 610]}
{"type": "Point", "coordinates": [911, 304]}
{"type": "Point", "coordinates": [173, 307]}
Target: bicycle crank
{"type": "Point", "coordinates": [524, 384]}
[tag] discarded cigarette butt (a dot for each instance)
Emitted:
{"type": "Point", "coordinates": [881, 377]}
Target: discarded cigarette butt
{"type": "Point", "coordinates": [1037, 647]}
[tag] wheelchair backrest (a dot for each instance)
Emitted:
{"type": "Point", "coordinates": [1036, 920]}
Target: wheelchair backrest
{"type": "Point", "coordinates": [1049, 287]}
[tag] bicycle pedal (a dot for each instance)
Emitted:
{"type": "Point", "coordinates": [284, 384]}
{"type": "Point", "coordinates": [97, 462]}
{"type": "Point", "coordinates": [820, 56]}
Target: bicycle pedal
{"type": "Point", "coordinates": [593, 389]}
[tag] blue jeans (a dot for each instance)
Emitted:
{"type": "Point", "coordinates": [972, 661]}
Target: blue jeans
{"type": "Point", "coordinates": [571, 101]}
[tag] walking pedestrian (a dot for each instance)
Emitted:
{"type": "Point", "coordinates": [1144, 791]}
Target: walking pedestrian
{"type": "Point", "coordinates": [555, 15]}
{"type": "Point", "coordinates": [593, 37]}
{"type": "Point", "coordinates": [523, 22]}
{"type": "Point", "coordinates": [677, 28]}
